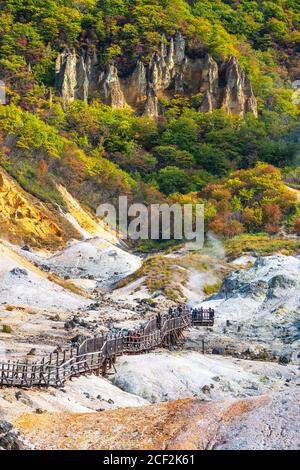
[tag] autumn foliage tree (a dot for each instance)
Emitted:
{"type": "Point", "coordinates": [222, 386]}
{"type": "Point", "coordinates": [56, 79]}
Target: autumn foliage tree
{"type": "Point", "coordinates": [253, 200]}
{"type": "Point", "coordinates": [42, 169]}
{"type": "Point", "coordinates": [297, 227]}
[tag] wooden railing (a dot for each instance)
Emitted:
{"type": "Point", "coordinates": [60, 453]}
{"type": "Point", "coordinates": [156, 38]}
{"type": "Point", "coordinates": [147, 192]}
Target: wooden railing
{"type": "Point", "coordinates": [201, 317]}
{"type": "Point", "coordinates": [95, 355]}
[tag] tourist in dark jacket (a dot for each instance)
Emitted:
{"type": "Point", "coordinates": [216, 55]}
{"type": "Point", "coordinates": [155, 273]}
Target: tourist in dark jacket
{"type": "Point", "coordinates": [194, 314]}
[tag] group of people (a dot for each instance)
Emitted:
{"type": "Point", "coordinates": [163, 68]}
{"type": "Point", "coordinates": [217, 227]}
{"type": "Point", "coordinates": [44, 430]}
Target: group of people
{"type": "Point", "coordinates": [173, 312]}
{"type": "Point", "coordinates": [200, 314]}
{"type": "Point", "coordinates": [133, 338]}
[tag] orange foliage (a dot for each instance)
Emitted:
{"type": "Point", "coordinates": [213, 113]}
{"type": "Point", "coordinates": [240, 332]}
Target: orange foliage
{"type": "Point", "coordinates": [272, 214]}
{"type": "Point", "coordinates": [217, 226]}
{"type": "Point", "coordinates": [297, 227]}
{"type": "Point", "coordinates": [42, 169]}
{"type": "Point", "coordinates": [272, 229]}
{"type": "Point", "coordinates": [262, 197]}
{"type": "Point", "coordinates": [233, 228]}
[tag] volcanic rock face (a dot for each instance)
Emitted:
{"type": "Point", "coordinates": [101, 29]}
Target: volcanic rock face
{"type": "Point", "coordinates": [260, 305]}
{"type": "Point", "coordinates": [75, 74]}
{"type": "Point", "coordinates": [169, 71]}
{"type": "Point", "coordinates": [24, 218]}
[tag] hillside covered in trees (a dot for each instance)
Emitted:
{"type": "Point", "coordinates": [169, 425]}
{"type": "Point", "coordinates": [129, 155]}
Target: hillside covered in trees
{"type": "Point", "coordinates": [233, 162]}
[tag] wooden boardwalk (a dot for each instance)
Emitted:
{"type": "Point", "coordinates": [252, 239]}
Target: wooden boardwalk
{"type": "Point", "coordinates": [98, 355]}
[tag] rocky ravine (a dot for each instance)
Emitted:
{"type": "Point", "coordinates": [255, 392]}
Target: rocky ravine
{"type": "Point", "coordinates": [170, 71]}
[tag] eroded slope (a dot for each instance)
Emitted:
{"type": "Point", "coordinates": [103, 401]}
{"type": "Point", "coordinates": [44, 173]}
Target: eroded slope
{"type": "Point", "coordinates": [183, 424]}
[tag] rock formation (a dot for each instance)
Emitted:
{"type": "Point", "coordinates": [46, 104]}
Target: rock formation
{"type": "Point", "coordinates": [76, 74]}
{"type": "Point", "coordinates": [260, 306]}
{"type": "Point", "coordinates": [110, 88]}
{"type": "Point", "coordinates": [169, 71]}
{"type": "Point", "coordinates": [9, 438]}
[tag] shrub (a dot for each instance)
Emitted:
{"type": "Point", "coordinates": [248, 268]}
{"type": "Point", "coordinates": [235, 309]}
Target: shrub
{"type": "Point", "coordinates": [171, 180]}
{"type": "Point", "coordinates": [210, 289]}
{"type": "Point", "coordinates": [297, 227]}
{"type": "Point", "coordinates": [6, 329]}
{"type": "Point", "coordinates": [252, 200]}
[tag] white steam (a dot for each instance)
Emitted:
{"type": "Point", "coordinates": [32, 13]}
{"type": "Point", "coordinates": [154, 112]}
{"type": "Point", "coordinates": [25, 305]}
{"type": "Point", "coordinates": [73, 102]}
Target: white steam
{"type": "Point", "coordinates": [214, 246]}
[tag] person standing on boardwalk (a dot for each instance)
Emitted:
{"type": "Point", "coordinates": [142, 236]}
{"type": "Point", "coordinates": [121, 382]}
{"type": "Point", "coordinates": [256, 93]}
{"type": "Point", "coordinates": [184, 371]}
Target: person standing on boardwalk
{"type": "Point", "coordinates": [194, 314]}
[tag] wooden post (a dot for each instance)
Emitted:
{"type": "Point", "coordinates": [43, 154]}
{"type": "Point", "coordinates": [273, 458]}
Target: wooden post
{"type": "Point", "coordinates": [42, 371]}
{"type": "Point", "coordinates": [57, 368]}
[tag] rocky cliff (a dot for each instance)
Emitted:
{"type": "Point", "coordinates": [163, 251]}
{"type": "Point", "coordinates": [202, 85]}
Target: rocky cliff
{"type": "Point", "coordinates": [24, 219]}
{"type": "Point", "coordinates": [170, 71]}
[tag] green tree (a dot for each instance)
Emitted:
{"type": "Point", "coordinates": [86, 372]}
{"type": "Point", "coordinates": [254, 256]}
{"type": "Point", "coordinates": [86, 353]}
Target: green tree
{"type": "Point", "coordinates": [212, 159]}
{"type": "Point", "coordinates": [170, 155]}
{"type": "Point", "coordinates": [171, 180]}
{"type": "Point", "coordinates": [183, 133]}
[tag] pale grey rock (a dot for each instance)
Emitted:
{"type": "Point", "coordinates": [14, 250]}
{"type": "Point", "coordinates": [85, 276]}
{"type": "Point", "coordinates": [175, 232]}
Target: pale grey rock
{"type": "Point", "coordinates": [260, 306]}
{"type": "Point", "coordinates": [66, 75]}
{"type": "Point", "coordinates": [110, 88]}
{"type": "Point", "coordinates": [238, 93]}
{"type": "Point", "coordinates": [163, 376]}
{"type": "Point", "coordinates": [151, 106]}
{"type": "Point", "coordinates": [135, 88]}
{"type": "Point", "coordinates": [95, 257]}
{"type": "Point", "coordinates": [210, 85]}
{"type": "Point", "coordinates": [179, 48]}
{"type": "Point", "coordinates": [76, 74]}
{"type": "Point", "coordinates": [274, 426]}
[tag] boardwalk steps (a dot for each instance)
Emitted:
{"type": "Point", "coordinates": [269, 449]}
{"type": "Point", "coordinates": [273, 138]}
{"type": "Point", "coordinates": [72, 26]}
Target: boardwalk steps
{"type": "Point", "coordinates": [98, 355]}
